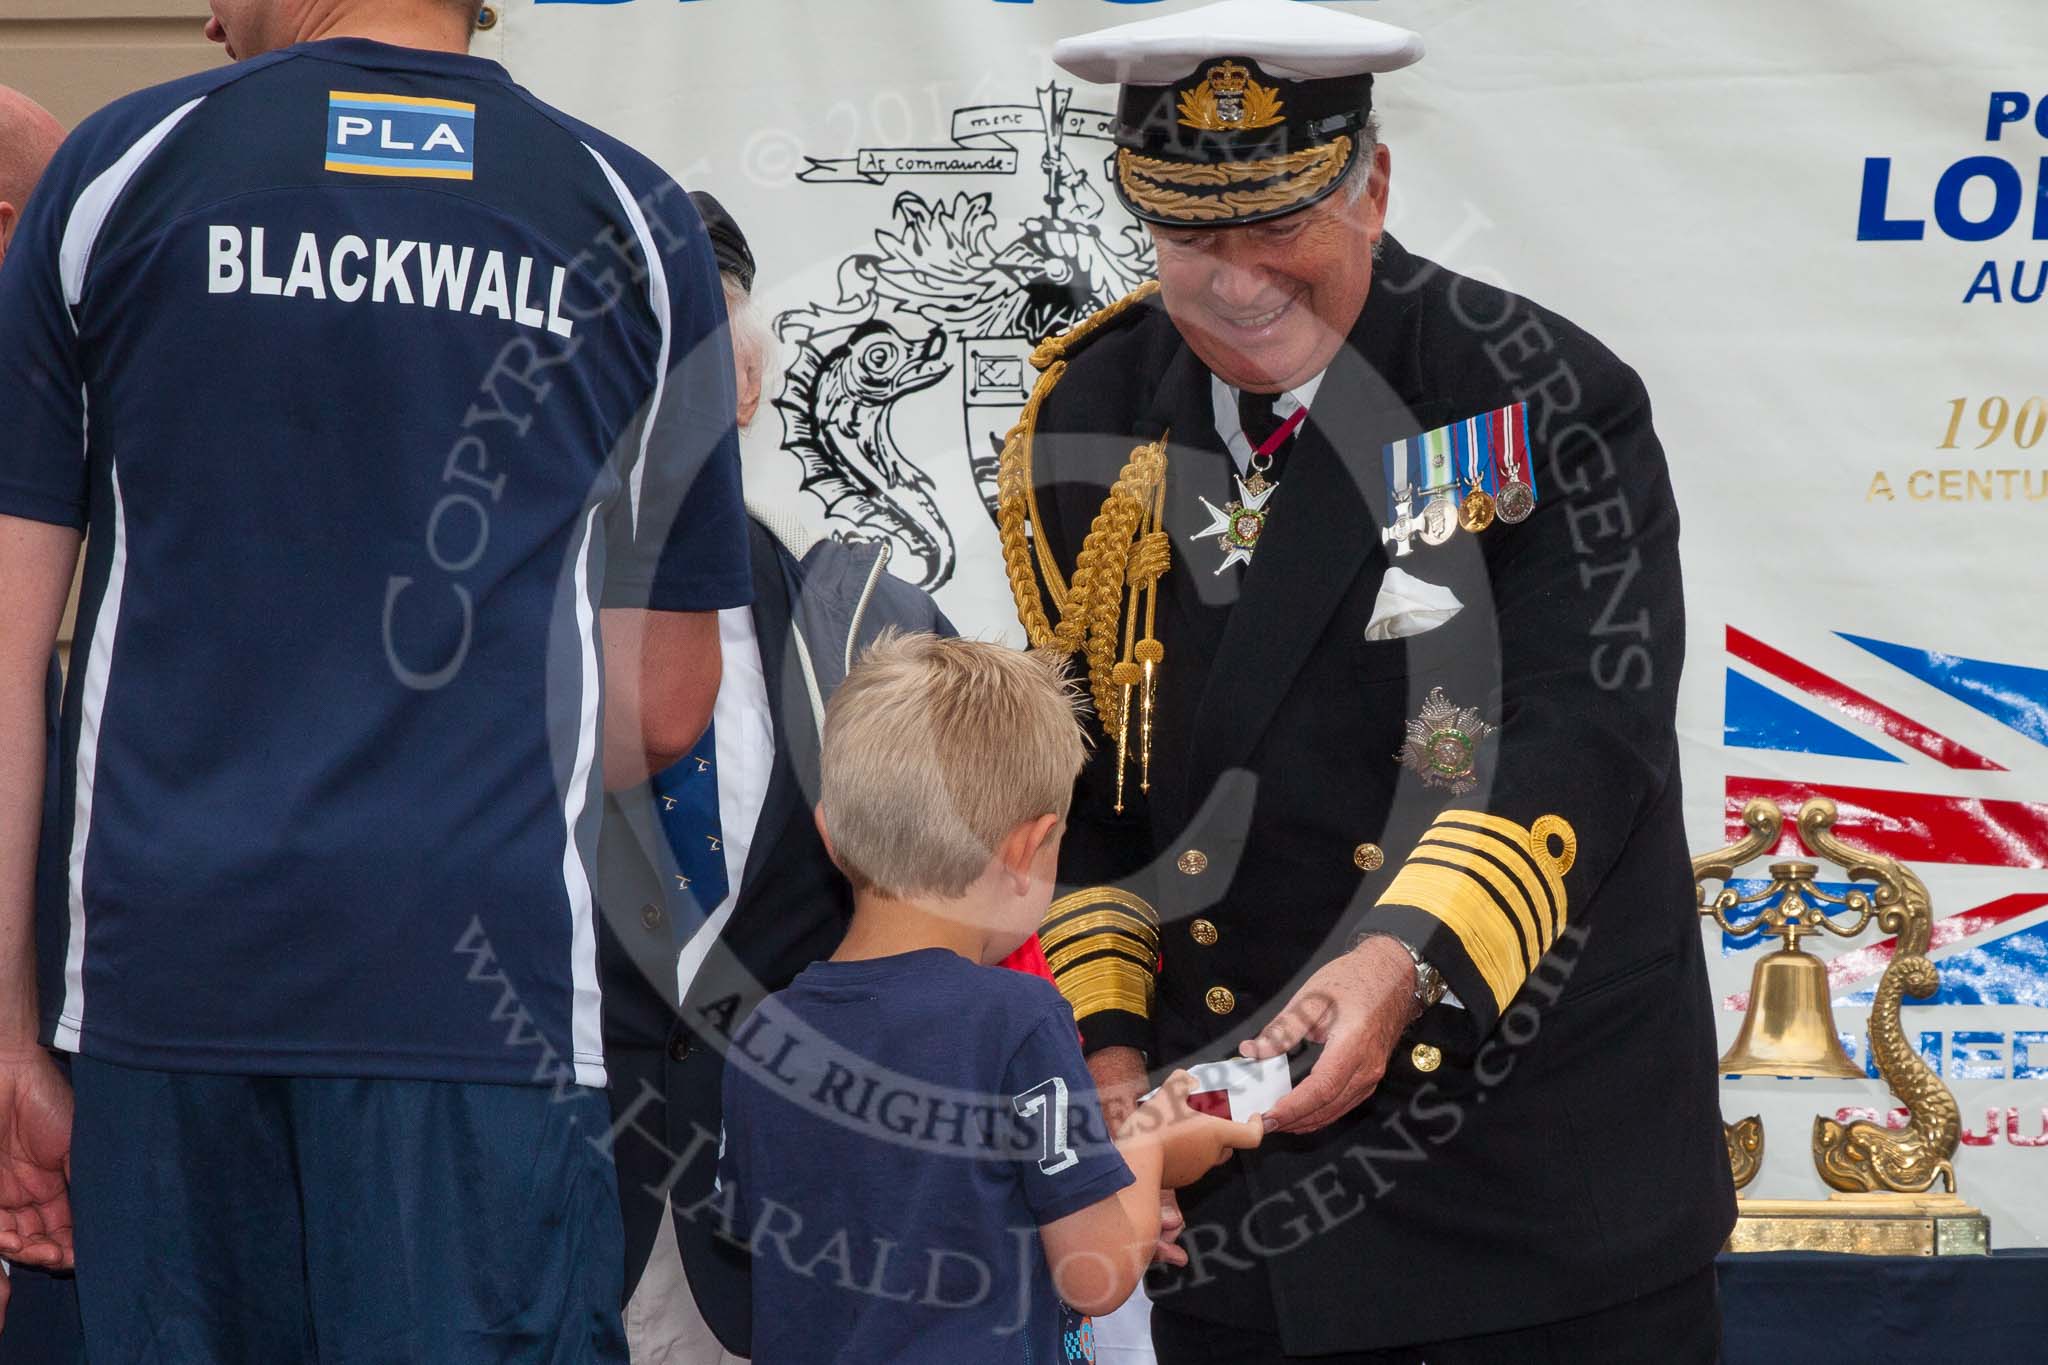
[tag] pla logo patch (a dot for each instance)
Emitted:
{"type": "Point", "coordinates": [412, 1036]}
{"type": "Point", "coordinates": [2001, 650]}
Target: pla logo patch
{"type": "Point", "coordinates": [401, 135]}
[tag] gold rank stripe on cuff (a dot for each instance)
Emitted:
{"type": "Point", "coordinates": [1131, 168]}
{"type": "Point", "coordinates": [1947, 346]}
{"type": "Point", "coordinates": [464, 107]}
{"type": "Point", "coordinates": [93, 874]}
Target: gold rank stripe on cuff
{"type": "Point", "coordinates": [1507, 894]}
{"type": "Point", "coordinates": [1102, 945]}
{"type": "Point", "coordinates": [1091, 924]}
{"type": "Point", "coordinates": [1496, 885]}
{"type": "Point", "coordinates": [1524, 885]}
{"type": "Point", "coordinates": [1098, 909]}
{"type": "Point", "coordinates": [1110, 981]}
{"type": "Point", "coordinates": [1072, 953]}
{"type": "Point", "coordinates": [1531, 848]}
{"type": "Point", "coordinates": [1467, 907]}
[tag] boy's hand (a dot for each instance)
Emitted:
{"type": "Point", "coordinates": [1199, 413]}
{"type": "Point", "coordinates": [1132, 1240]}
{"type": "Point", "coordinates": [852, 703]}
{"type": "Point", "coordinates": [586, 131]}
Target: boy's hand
{"type": "Point", "coordinates": [1190, 1144]}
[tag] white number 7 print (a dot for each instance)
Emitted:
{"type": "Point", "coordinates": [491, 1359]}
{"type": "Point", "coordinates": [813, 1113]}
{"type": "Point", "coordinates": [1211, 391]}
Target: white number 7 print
{"type": "Point", "coordinates": [1058, 1156]}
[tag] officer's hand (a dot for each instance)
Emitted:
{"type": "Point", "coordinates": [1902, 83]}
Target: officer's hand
{"type": "Point", "coordinates": [1356, 1007]}
{"type": "Point", "coordinates": [35, 1161]}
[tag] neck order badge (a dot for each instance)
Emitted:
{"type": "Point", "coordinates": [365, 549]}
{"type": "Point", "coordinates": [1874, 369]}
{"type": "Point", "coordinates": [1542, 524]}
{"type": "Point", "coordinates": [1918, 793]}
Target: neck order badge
{"type": "Point", "coordinates": [1237, 525]}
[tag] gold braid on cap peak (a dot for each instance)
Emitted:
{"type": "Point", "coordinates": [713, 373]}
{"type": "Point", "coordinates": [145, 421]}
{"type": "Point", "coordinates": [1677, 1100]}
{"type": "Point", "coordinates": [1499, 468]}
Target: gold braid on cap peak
{"type": "Point", "coordinates": [1219, 192]}
{"type": "Point", "coordinates": [1115, 583]}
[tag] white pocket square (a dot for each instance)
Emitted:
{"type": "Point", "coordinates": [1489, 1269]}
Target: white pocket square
{"type": "Point", "coordinates": [1408, 606]}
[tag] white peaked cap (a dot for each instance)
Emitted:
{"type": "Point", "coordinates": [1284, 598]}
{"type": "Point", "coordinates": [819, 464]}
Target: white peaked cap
{"type": "Point", "coordinates": [1285, 37]}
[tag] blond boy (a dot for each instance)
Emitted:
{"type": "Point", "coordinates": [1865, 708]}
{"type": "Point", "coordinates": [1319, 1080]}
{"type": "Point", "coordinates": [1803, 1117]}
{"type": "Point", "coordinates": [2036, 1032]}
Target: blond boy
{"type": "Point", "coordinates": [913, 1150]}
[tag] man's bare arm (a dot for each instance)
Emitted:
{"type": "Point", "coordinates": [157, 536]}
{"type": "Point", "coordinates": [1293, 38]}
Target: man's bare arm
{"type": "Point", "coordinates": [662, 670]}
{"type": "Point", "coordinates": [36, 562]}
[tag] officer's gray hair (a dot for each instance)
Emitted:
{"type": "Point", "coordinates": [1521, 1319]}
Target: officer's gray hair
{"type": "Point", "coordinates": [1358, 181]}
{"type": "Point", "coordinates": [753, 340]}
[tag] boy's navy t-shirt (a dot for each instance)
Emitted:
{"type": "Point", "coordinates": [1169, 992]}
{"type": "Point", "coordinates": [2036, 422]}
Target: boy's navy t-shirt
{"type": "Point", "coordinates": [896, 1132]}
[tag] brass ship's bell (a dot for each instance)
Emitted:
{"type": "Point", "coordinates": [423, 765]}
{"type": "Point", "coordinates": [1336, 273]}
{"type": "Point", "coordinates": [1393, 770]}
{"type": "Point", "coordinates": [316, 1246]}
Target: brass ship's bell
{"type": "Point", "coordinates": [1790, 1027]}
{"type": "Point", "coordinates": [1881, 1201]}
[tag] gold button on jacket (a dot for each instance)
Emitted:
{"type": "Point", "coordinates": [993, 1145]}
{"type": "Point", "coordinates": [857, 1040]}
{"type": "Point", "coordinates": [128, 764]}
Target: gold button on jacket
{"type": "Point", "coordinates": [1369, 857]}
{"type": "Point", "coordinates": [1220, 1000]}
{"type": "Point", "coordinates": [1203, 933]}
{"type": "Point", "coordinates": [1194, 862]}
{"type": "Point", "coordinates": [1426, 1057]}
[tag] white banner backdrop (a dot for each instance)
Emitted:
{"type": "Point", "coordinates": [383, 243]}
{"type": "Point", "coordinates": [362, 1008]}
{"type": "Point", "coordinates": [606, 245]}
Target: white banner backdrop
{"type": "Point", "coordinates": [1816, 230]}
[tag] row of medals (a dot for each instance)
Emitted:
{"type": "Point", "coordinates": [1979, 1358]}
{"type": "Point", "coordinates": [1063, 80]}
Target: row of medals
{"type": "Point", "coordinates": [1444, 514]}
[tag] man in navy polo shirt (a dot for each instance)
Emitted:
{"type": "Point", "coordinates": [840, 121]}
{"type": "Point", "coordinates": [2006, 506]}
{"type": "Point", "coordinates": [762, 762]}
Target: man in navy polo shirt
{"type": "Point", "coordinates": [396, 414]}
{"type": "Point", "coordinates": [43, 1308]}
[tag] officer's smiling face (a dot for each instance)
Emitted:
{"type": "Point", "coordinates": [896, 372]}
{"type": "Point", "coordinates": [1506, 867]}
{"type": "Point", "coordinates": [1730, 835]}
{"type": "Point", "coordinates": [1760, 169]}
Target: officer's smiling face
{"type": "Point", "coordinates": [1266, 306]}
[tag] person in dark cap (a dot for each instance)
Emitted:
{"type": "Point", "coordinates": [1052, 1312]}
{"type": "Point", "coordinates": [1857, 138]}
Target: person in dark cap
{"type": "Point", "coordinates": [1374, 572]}
{"type": "Point", "coordinates": [753, 343]}
{"type": "Point", "coordinates": [728, 243]}
{"type": "Point", "coordinates": [714, 885]}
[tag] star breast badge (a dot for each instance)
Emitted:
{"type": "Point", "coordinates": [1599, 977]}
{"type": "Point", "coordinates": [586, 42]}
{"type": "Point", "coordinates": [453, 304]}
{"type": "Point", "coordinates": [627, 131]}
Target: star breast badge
{"type": "Point", "coordinates": [1443, 744]}
{"type": "Point", "coordinates": [1237, 525]}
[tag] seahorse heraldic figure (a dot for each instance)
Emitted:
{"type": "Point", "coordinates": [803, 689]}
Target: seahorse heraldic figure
{"type": "Point", "coordinates": [1864, 1157]}
{"type": "Point", "coordinates": [838, 402]}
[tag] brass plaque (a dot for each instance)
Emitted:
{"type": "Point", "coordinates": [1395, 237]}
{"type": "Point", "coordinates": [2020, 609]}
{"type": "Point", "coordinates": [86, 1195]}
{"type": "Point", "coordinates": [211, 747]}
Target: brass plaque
{"type": "Point", "coordinates": [1863, 1225]}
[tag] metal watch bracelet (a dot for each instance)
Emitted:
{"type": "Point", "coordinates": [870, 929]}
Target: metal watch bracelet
{"type": "Point", "coordinates": [1429, 982]}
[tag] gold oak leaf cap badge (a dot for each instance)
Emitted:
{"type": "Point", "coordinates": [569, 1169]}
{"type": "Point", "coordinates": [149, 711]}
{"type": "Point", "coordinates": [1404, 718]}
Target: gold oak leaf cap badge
{"type": "Point", "coordinates": [1238, 111]}
{"type": "Point", "coordinates": [1443, 744]}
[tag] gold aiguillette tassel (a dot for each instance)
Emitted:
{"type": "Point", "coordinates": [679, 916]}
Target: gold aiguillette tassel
{"type": "Point", "coordinates": [1125, 676]}
{"type": "Point", "coordinates": [1149, 652]}
{"type": "Point", "coordinates": [1149, 655]}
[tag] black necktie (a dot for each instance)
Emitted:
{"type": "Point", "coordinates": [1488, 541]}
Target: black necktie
{"type": "Point", "coordinates": [1255, 413]}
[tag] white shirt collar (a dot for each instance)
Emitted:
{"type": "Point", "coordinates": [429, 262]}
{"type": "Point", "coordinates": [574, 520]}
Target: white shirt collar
{"type": "Point", "coordinates": [1224, 398]}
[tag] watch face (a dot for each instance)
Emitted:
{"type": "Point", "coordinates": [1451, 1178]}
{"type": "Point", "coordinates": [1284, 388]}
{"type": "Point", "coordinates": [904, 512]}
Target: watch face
{"type": "Point", "coordinates": [1429, 984]}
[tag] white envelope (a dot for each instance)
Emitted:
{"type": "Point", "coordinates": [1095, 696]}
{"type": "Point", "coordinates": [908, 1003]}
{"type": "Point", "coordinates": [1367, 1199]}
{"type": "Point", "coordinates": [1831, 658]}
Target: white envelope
{"type": "Point", "coordinates": [1408, 606]}
{"type": "Point", "coordinates": [1252, 1087]}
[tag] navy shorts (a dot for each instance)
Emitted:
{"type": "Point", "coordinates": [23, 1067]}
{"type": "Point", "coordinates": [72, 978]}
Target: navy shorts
{"type": "Point", "coordinates": [270, 1220]}
{"type": "Point", "coordinates": [42, 1321]}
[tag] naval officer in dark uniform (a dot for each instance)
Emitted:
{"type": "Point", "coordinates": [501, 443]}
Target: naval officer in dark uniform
{"type": "Point", "coordinates": [1373, 571]}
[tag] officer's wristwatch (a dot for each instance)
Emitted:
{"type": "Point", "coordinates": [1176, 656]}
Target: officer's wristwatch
{"type": "Point", "coordinates": [1429, 982]}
